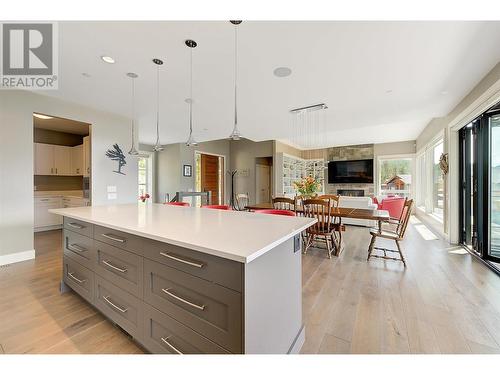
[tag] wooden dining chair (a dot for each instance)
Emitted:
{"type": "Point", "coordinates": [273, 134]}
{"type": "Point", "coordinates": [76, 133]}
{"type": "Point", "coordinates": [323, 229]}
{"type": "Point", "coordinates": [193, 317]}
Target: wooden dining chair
{"type": "Point", "coordinates": [397, 235]}
{"type": "Point", "coordinates": [336, 221]}
{"type": "Point", "coordinates": [319, 209]}
{"type": "Point", "coordinates": [282, 203]}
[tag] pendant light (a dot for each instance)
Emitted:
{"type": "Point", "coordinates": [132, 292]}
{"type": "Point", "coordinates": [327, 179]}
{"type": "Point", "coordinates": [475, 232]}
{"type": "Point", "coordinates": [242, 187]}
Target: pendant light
{"type": "Point", "coordinates": [191, 141]}
{"type": "Point", "coordinates": [158, 147]}
{"type": "Point", "coordinates": [133, 150]}
{"type": "Point", "coordinates": [235, 135]}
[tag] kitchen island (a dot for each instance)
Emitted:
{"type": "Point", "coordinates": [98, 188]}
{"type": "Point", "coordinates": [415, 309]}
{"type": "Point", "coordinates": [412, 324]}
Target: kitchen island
{"type": "Point", "coordinates": [189, 280]}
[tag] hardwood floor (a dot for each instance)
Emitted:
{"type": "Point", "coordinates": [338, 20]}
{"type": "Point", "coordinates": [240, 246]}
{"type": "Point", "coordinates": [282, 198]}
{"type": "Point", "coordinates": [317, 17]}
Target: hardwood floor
{"type": "Point", "coordinates": [445, 301]}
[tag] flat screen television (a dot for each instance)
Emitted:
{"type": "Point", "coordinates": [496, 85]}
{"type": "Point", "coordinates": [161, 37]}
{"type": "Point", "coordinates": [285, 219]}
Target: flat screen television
{"type": "Point", "coordinates": [350, 171]}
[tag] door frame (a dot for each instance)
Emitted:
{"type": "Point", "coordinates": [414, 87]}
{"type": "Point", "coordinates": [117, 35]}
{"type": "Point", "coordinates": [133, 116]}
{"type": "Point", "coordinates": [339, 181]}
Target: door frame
{"type": "Point", "coordinates": [197, 152]}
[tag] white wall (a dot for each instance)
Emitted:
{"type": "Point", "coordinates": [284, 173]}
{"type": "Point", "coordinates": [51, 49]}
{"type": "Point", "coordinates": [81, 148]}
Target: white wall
{"type": "Point", "coordinates": [16, 161]}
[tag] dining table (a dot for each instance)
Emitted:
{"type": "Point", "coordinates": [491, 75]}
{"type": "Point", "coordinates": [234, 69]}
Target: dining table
{"type": "Point", "coordinates": [380, 216]}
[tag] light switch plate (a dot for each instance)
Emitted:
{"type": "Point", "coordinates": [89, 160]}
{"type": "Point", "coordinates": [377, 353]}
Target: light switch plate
{"type": "Point", "coordinates": [111, 189]}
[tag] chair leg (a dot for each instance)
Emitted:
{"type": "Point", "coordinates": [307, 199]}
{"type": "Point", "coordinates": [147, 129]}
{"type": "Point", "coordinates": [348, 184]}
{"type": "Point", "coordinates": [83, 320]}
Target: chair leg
{"type": "Point", "coordinates": [328, 248]}
{"type": "Point", "coordinates": [370, 248]}
{"type": "Point", "coordinates": [401, 253]}
{"type": "Point", "coordinates": [310, 239]}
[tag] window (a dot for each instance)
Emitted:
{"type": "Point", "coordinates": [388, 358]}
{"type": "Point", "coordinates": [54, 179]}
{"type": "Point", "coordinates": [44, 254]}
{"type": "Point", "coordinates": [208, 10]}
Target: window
{"type": "Point", "coordinates": [395, 176]}
{"type": "Point", "coordinates": [145, 175]}
{"type": "Point", "coordinates": [430, 190]}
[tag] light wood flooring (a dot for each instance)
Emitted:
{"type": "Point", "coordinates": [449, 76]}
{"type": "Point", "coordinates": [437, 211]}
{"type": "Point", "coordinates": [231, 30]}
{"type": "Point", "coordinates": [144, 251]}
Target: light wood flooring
{"type": "Point", "coordinates": [443, 302]}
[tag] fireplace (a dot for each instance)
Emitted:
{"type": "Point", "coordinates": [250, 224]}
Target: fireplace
{"type": "Point", "coordinates": [351, 192]}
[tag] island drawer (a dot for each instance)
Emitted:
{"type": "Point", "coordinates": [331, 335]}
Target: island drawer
{"type": "Point", "coordinates": [218, 270]}
{"type": "Point", "coordinates": [162, 334]}
{"type": "Point", "coordinates": [78, 278]}
{"type": "Point", "coordinates": [121, 307]}
{"type": "Point", "coordinates": [79, 248]}
{"type": "Point", "coordinates": [209, 309]}
{"type": "Point", "coordinates": [121, 267]}
{"type": "Point", "coordinates": [78, 226]}
{"type": "Point", "coordinates": [119, 239]}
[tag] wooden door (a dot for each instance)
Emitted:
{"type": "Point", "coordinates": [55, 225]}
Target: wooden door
{"type": "Point", "coordinates": [44, 159]}
{"type": "Point", "coordinates": [210, 177]}
{"type": "Point", "coordinates": [263, 183]}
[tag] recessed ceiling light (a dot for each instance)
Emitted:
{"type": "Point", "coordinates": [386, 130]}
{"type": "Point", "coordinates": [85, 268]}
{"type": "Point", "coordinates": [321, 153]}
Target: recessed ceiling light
{"type": "Point", "coordinates": [388, 91]}
{"type": "Point", "coordinates": [444, 92]}
{"type": "Point", "coordinates": [108, 59]}
{"type": "Point", "coordinates": [43, 117]}
{"type": "Point", "coordinates": [86, 75]}
{"type": "Point", "coordinates": [282, 71]}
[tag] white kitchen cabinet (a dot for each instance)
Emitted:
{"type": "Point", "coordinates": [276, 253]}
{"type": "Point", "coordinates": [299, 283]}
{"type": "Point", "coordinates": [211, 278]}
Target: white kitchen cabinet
{"type": "Point", "coordinates": [53, 160]}
{"type": "Point", "coordinates": [86, 156]}
{"type": "Point", "coordinates": [43, 218]}
{"type": "Point", "coordinates": [44, 159]}
{"type": "Point", "coordinates": [77, 160]}
{"type": "Point", "coordinates": [62, 160]}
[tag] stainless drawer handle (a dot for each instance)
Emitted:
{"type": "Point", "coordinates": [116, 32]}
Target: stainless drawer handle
{"type": "Point", "coordinates": [70, 274]}
{"type": "Point", "coordinates": [75, 225]}
{"type": "Point", "coordinates": [165, 340]}
{"type": "Point", "coordinates": [44, 200]}
{"type": "Point", "coordinates": [194, 264]}
{"type": "Point", "coordinates": [113, 238]}
{"type": "Point", "coordinates": [107, 263]}
{"type": "Point", "coordinates": [168, 292]}
{"type": "Point", "coordinates": [120, 309]}
{"type": "Point", "coordinates": [76, 247]}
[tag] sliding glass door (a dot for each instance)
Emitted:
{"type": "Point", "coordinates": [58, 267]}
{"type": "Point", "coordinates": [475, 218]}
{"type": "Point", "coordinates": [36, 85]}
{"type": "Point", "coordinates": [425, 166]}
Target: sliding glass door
{"type": "Point", "coordinates": [480, 185]}
{"type": "Point", "coordinates": [494, 187]}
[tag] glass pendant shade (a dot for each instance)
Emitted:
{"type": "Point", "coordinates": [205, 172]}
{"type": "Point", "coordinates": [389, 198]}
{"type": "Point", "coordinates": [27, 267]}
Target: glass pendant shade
{"type": "Point", "coordinates": [235, 134]}
{"type": "Point", "coordinates": [191, 141]}
{"type": "Point", "coordinates": [158, 147]}
{"type": "Point", "coordinates": [133, 151]}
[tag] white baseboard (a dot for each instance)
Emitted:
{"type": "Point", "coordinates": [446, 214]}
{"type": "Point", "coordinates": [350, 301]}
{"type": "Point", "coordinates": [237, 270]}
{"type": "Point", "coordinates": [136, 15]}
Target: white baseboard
{"type": "Point", "coordinates": [17, 257]}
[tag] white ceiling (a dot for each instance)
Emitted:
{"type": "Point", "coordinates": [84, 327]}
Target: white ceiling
{"type": "Point", "coordinates": [428, 67]}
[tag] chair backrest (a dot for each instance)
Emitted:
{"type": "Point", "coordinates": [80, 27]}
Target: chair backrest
{"type": "Point", "coordinates": [242, 200]}
{"type": "Point", "coordinates": [405, 218]}
{"type": "Point", "coordinates": [217, 207]}
{"type": "Point", "coordinates": [183, 204]}
{"type": "Point", "coordinates": [334, 199]}
{"type": "Point", "coordinates": [318, 209]}
{"type": "Point", "coordinates": [394, 206]}
{"type": "Point", "coordinates": [282, 203]}
{"type": "Point", "coordinates": [276, 212]}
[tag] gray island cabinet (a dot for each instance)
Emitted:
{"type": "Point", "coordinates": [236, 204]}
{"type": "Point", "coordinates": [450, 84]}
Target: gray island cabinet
{"type": "Point", "coordinates": [189, 280]}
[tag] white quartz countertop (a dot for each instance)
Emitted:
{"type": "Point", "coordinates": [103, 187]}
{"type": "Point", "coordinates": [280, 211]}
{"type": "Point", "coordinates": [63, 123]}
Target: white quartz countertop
{"type": "Point", "coordinates": [235, 235]}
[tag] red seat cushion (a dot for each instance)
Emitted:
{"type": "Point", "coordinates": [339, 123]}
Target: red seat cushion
{"type": "Point", "coordinates": [394, 205]}
{"type": "Point", "coordinates": [277, 212]}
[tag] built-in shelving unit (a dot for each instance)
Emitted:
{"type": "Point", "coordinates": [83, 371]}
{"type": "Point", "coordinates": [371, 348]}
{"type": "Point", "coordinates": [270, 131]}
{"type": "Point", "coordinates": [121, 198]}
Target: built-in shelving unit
{"type": "Point", "coordinates": [292, 168]}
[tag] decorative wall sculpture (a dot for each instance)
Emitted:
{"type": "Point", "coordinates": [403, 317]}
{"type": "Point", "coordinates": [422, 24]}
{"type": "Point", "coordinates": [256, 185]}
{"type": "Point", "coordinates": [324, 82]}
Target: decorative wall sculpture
{"type": "Point", "coordinates": [117, 155]}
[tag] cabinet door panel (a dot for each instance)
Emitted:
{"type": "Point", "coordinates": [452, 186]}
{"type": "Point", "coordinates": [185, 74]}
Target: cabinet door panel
{"type": "Point", "coordinates": [44, 159]}
{"type": "Point", "coordinates": [77, 160]}
{"type": "Point", "coordinates": [62, 160]}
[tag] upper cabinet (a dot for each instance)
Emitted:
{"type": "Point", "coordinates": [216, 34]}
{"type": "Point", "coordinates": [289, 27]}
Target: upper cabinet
{"type": "Point", "coordinates": [54, 160]}
{"type": "Point", "coordinates": [77, 160]}
{"type": "Point", "coordinates": [86, 156]}
{"type": "Point", "coordinates": [44, 159]}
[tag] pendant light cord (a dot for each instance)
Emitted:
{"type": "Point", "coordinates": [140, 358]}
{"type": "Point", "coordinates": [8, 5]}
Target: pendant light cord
{"type": "Point", "coordinates": [235, 76]}
{"type": "Point", "coordinates": [133, 109]}
{"type": "Point", "coordinates": [158, 105]}
{"type": "Point", "coordinates": [191, 94]}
